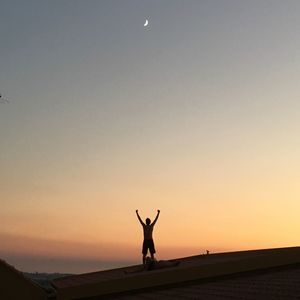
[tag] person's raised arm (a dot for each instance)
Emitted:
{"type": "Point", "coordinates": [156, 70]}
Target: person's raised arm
{"type": "Point", "coordinates": [158, 212]}
{"type": "Point", "coordinates": [137, 213]}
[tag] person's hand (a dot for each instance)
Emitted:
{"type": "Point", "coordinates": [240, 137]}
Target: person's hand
{"type": "Point", "coordinates": [158, 211]}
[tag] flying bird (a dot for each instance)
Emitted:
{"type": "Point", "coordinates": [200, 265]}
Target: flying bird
{"type": "Point", "coordinates": [2, 99]}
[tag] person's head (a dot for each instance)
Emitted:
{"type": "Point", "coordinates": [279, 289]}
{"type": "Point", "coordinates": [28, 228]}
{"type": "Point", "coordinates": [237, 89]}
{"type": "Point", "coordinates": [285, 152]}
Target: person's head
{"type": "Point", "coordinates": [148, 221]}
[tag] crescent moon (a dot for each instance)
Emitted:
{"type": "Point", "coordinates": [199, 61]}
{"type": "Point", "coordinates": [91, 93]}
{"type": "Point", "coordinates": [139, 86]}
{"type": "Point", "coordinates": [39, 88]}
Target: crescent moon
{"type": "Point", "coordinates": [146, 23]}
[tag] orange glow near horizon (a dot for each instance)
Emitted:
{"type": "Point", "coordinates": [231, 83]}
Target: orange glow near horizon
{"type": "Point", "coordinates": [251, 215]}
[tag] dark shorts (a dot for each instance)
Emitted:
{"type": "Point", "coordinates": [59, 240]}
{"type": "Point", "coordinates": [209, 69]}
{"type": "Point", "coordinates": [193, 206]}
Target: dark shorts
{"type": "Point", "coordinates": [148, 244]}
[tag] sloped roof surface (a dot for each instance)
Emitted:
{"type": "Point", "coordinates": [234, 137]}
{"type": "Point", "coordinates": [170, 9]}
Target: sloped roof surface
{"type": "Point", "coordinates": [273, 285]}
{"type": "Point", "coordinates": [195, 268]}
{"type": "Point", "coordinates": [14, 285]}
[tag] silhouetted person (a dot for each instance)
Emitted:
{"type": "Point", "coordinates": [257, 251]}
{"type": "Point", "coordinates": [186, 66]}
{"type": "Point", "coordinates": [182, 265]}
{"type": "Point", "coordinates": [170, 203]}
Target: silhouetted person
{"type": "Point", "coordinates": [148, 239]}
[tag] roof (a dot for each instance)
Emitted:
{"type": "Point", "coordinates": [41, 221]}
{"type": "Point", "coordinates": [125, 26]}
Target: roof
{"type": "Point", "coordinates": [197, 270]}
{"type": "Point", "coordinates": [280, 284]}
{"type": "Point", "coordinates": [14, 285]}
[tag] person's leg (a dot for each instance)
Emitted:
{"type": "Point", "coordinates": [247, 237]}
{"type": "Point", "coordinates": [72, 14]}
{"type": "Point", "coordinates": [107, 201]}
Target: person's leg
{"type": "Point", "coordinates": [152, 249]}
{"type": "Point", "coordinates": [144, 251]}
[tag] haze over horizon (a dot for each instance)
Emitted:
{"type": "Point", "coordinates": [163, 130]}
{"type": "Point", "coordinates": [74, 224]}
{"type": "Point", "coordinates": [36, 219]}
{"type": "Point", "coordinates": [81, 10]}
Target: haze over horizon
{"type": "Point", "coordinates": [197, 115]}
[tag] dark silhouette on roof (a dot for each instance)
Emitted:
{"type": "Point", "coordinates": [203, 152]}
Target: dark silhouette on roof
{"type": "Point", "coordinates": [148, 243]}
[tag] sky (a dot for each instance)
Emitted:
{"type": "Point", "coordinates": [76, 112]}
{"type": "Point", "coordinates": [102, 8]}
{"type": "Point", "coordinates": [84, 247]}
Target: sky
{"type": "Point", "coordinates": [197, 114]}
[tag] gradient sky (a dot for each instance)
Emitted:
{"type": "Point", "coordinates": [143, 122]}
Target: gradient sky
{"type": "Point", "coordinates": [197, 115]}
